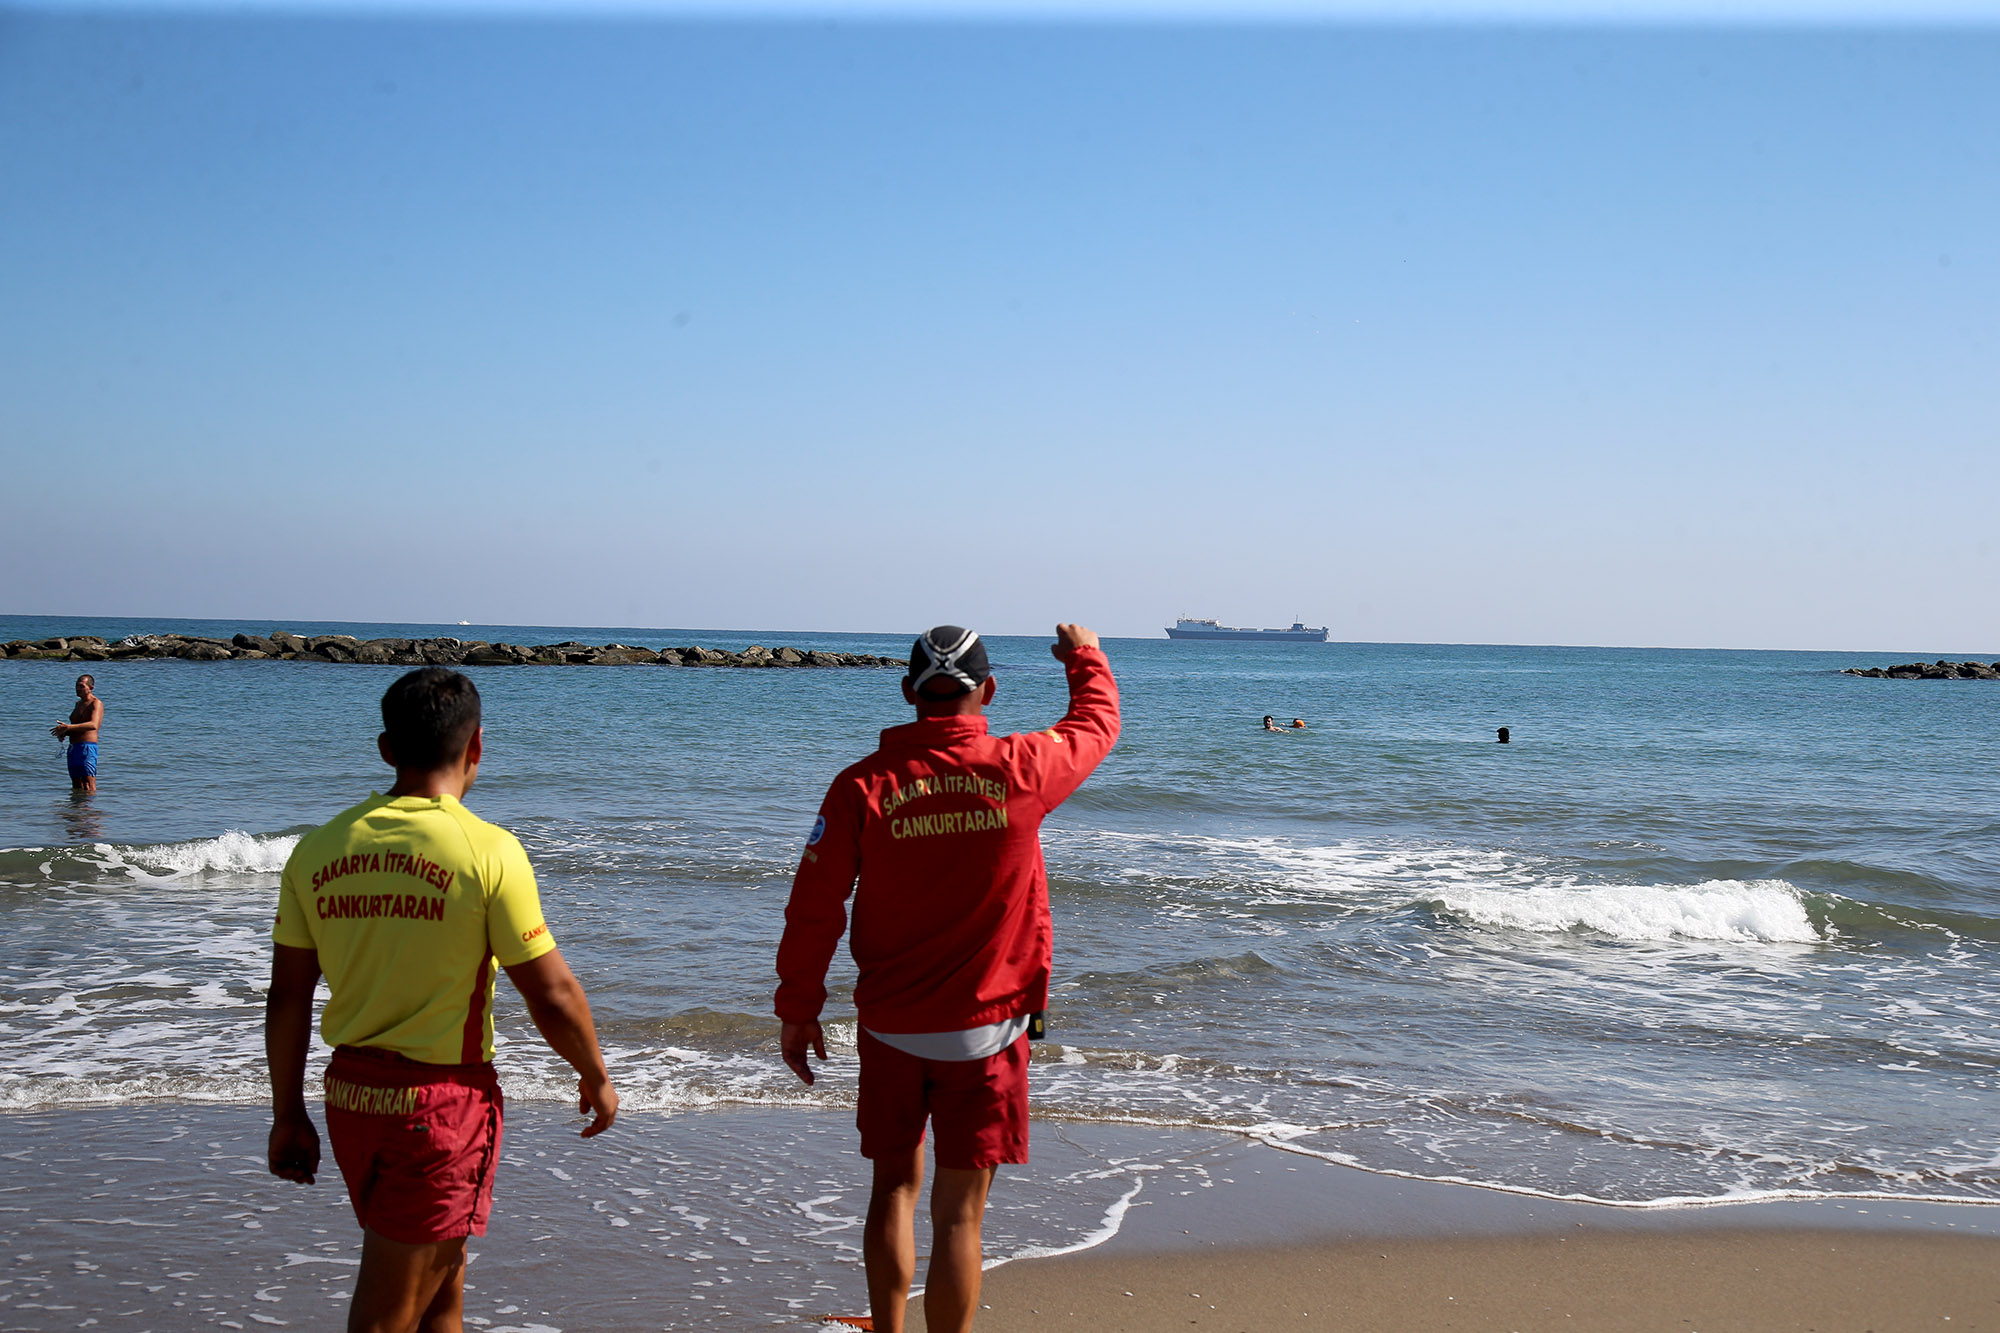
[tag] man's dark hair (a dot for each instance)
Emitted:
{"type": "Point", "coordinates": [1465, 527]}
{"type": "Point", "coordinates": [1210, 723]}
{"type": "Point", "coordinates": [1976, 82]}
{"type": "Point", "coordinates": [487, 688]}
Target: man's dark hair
{"type": "Point", "coordinates": [86, 676]}
{"type": "Point", "coordinates": [429, 716]}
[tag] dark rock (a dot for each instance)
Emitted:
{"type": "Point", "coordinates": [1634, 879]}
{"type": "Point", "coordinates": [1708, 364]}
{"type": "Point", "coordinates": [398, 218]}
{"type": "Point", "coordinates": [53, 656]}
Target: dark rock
{"type": "Point", "coordinates": [623, 654]}
{"type": "Point", "coordinates": [287, 646]}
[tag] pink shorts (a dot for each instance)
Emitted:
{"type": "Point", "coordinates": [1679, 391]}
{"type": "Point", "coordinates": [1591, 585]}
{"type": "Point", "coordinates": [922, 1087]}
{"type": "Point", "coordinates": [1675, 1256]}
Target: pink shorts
{"type": "Point", "coordinates": [978, 1107]}
{"type": "Point", "coordinates": [416, 1143]}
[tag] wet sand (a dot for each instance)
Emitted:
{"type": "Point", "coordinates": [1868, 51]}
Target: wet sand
{"type": "Point", "coordinates": [1609, 1280]}
{"type": "Point", "coordinates": [1285, 1243]}
{"type": "Point", "coordinates": [162, 1217]}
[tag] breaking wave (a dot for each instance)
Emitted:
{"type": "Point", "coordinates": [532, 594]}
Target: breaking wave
{"type": "Point", "coordinates": [1754, 911]}
{"type": "Point", "coordinates": [231, 853]}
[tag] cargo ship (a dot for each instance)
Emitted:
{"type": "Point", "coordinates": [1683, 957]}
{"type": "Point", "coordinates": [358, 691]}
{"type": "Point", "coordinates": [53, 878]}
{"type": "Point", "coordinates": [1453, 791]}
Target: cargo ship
{"type": "Point", "coordinates": [1208, 629]}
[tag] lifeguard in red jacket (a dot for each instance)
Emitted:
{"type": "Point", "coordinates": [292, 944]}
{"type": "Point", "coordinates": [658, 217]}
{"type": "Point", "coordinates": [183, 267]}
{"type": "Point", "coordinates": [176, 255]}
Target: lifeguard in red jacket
{"type": "Point", "coordinates": [951, 932]}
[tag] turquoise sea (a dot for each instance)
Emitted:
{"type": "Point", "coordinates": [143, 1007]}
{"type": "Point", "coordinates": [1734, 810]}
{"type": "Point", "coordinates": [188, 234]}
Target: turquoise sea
{"type": "Point", "coordinates": [1715, 926]}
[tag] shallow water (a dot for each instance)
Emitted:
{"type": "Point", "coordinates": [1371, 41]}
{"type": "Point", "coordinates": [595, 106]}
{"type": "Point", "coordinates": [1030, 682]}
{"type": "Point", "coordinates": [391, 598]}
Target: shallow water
{"type": "Point", "coordinates": [1715, 926]}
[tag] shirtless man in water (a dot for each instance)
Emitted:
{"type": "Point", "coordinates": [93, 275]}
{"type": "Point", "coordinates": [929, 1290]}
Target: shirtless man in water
{"type": "Point", "coordinates": [81, 733]}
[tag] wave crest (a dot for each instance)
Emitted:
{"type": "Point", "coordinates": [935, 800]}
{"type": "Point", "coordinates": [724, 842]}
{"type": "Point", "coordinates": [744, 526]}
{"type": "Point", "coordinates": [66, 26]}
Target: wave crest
{"type": "Point", "coordinates": [235, 852]}
{"type": "Point", "coordinates": [1764, 911]}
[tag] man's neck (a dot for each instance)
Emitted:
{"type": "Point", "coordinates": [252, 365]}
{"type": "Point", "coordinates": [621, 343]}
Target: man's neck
{"type": "Point", "coordinates": [928, 711]}
{"type": "Point", "coordinates": [431, 784]}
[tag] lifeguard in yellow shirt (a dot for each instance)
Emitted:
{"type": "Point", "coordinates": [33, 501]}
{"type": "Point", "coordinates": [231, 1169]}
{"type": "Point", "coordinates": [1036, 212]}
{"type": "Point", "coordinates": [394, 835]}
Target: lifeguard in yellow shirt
{"type": "Point", "coordinates": [404, 903]}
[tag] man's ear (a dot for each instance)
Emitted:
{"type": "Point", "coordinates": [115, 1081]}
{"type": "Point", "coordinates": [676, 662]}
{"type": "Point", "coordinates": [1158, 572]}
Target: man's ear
{"type": "Point", "coordinates": [909, 695]}
{"type": "Point", "coordinates": [986, 689]}
{"type": "Point", "coordinates": [475, 747]}
{"type": "Point", "coordinates": [382, 748]}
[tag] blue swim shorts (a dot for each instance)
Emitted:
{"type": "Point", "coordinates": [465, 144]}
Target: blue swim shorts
{"type": "Point", "coordinates": [82, 760]}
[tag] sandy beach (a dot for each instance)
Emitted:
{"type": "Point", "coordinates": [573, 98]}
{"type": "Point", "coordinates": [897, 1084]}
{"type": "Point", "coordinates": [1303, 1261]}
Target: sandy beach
{"type": "Point", "coordinates": [1289, 1243]}
{"type": "Point", "coordinates": [1705, 1278]}
{"type": "Point", "coordinates": [161, 1217]}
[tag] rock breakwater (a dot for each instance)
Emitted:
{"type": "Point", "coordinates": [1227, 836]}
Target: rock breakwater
{"type": "Point", "coordinates": [1938, 670]}
{"type": "Point", "coordinates": [284, 646]}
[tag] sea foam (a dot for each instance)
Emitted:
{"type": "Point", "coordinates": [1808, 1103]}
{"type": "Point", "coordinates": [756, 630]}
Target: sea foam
{"type": "Point", "coordinates": [233, 853]}
{"type": "Point", "coordinates": [1750, 911]}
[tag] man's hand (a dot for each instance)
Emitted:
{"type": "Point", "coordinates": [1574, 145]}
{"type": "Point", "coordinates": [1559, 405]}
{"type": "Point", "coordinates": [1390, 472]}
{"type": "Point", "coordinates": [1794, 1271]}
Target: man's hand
{"type": "Point", "coordinates": [293, 1151]}
{"type": "Point", "coordinates": [598, 1098]}
{"type": "Point", "coordinates": [561, 1013]}
{"type": "Point", "coordinates": [1071, 637]}
{"type": "Point", "coordinates": [794, 1039]}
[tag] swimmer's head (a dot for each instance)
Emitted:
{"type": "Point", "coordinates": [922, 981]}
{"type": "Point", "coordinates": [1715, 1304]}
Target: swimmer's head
{"type": "Point", "coordinates": [947, 662]}
{"type": "Point", "coordinates": [85, 684]}
{"type": "Point", "coordinates": [428, 718]}
{"type": "Point", "coordinates": [1298, 722]}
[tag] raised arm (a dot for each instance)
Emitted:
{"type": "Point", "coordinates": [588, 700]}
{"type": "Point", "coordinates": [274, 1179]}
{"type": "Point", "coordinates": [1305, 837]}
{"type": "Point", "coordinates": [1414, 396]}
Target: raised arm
{"type": "Point", "coordinates": [561, 1012]}
{"type": "Point", "coordinates": [292, 1152]}
{"type": "Point", "coordinates": [1060, 758]}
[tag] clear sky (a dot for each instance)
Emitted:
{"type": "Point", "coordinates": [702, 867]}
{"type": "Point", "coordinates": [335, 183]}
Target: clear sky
{"type": "Point", "coordinates": [1536, 328]}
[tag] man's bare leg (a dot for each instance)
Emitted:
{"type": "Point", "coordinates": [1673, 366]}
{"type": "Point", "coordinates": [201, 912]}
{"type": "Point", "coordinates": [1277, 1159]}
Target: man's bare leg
{"type": "Point", "coordinates": [408, 1288]}
{"type": "Point", "coordinates": [889, 1237]}
{"type": "Point", "coordinates": [951, 1287]}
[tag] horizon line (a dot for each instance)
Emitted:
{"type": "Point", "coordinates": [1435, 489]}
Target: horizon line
{"type": "Point", "coordinates": [1125, 638]}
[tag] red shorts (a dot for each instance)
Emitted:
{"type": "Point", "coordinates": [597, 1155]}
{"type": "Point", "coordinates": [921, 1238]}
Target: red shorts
{"type": "Point", "coordinates": [979, 1107]}
{"type": "Point", "coordinates": [416, 1143]}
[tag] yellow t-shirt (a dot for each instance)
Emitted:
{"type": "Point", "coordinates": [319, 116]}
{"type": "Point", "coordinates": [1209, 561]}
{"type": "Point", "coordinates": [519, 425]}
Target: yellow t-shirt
{"type": "Point", "coordinates": [409, 900]}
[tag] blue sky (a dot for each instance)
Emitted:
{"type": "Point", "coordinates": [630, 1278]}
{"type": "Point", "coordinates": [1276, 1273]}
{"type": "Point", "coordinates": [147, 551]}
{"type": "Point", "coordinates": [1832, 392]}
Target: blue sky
{"type": "Point", "coordinates": [1532, 327]}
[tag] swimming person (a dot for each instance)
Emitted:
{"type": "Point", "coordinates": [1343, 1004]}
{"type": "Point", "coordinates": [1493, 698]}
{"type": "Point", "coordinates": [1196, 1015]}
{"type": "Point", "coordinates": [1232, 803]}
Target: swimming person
{"type": "Point", "coordinates": [81, 732]}
{"type": "Point", "coordinates": [1298, 724]}
{"type": "Point", "coordinates": [1271, 723]}
{"type": "Point", "coordinates": [1506, 737]}
{"type": "Point", "coordinates": [405, 901]}
{"type": "Point", "coordinates": [953, 938]}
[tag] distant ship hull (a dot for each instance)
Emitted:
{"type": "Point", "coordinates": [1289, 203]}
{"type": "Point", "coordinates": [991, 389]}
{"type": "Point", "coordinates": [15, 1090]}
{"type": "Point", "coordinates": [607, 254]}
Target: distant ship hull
{"type": "Point", "coordinates": [1208, 629]}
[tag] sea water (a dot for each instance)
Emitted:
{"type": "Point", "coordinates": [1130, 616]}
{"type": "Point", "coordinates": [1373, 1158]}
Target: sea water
{"type": "Point", "coordinates": [1714, 926]}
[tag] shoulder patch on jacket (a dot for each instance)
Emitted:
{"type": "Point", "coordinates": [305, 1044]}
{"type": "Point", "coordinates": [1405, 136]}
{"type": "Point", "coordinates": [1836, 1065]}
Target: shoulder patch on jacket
{"type": "Point", "coordinates": [818, 831]}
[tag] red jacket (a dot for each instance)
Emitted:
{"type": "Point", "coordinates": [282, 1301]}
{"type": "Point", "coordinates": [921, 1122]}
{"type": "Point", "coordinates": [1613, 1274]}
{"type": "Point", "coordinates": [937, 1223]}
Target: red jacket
{"type": "Point", "coordinates": [942, 825]}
